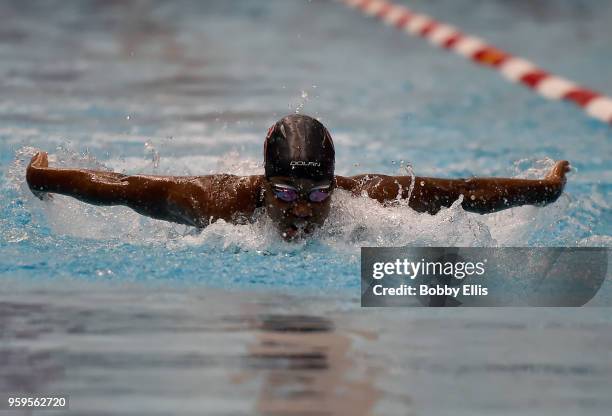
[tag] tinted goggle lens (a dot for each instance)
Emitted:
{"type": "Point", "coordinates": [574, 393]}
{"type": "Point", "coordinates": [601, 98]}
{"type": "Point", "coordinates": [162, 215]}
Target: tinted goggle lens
{"type": "Point", "coordinates": [318, 195]}
{"type": "Point", "coordinates": [292, 195]}
{"type": "Point", "coordinates": [287, 195]}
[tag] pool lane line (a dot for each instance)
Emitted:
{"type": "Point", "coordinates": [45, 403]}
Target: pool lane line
{"type": "Point", "coordinates": [513, 68]}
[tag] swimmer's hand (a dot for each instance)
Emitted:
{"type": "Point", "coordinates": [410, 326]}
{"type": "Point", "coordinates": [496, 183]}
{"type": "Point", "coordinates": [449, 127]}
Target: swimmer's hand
{"type": "Point", "coordinates": [557, 173]}
{"type": "Point", "coordinates": [39, 162]}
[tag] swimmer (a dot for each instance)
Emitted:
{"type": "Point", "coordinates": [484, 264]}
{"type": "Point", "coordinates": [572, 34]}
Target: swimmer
{"type": "Point", "coordinates": [295, 191]}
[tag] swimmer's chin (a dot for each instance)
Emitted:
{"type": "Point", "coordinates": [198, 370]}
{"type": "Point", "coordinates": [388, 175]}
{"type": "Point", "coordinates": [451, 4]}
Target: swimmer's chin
{"type": "Point", "coordinates": [293, 232]}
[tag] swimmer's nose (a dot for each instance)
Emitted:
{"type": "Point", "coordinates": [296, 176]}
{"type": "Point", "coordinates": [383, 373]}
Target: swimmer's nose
{"type": "Point", "coordinates": [302, 210]}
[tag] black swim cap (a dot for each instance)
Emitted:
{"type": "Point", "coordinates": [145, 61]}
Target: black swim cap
{"type": "Point", "coordinates": [301, 147]}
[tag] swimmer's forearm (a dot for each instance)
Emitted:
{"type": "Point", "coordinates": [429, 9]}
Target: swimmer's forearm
{"type": "Point", "coordinates": [485, 195]}
{"type": "Point", "coordinates": [147, 195]}
{"type": "Point", "coordinates": [94, 187]}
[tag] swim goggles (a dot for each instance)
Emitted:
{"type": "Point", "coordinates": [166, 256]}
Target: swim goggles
{"type": "Point", "coordinates": [288, 193]}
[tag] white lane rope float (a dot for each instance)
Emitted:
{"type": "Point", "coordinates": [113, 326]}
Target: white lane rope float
{"type": "Point", "coordinates": [513, 68]}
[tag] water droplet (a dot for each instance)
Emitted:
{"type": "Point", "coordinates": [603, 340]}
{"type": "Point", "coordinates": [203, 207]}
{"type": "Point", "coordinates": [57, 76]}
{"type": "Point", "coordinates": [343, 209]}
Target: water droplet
{"type": "Point", "coordinates": [155, 157]}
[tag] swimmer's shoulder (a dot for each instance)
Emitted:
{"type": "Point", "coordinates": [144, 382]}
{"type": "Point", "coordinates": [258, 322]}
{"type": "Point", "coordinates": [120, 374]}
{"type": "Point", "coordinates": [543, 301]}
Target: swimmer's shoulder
{"type": "Point", "coordinates": [362, 181]}
{"type": "Point", "coordinates": [242, 192]}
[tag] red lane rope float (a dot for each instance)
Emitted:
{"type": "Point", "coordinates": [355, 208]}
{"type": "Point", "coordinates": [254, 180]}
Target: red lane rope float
{"type": "Point", "coordinates": [513, 68]}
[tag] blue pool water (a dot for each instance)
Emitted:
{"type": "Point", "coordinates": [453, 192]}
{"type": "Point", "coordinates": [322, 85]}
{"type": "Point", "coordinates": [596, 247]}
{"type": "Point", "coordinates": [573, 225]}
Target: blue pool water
{"type": "Point", "coordinates": [191, 88]}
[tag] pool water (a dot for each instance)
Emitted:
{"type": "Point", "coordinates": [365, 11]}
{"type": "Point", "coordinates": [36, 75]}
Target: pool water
{"type": "Point", "coordinates": [129, 314]}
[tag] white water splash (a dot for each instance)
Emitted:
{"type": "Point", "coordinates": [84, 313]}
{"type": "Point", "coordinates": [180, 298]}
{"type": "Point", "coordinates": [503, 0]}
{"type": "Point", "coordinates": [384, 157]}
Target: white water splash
{"type": "Point", "coordinates": [151, 151]}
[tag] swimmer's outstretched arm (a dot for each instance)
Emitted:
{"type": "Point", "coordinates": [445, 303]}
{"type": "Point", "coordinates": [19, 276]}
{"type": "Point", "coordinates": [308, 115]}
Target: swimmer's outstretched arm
{"type": "Point", "coordinates": [190, 200]}
{"type": "Point", "coordinates": [481, 195]}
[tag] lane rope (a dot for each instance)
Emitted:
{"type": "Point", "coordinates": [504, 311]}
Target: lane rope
{"type": "Point", "coordinates": [513, 68]}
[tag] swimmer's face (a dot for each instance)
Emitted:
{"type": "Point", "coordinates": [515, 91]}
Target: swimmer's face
{"type": "Point", "coordinates": [296, 205]}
